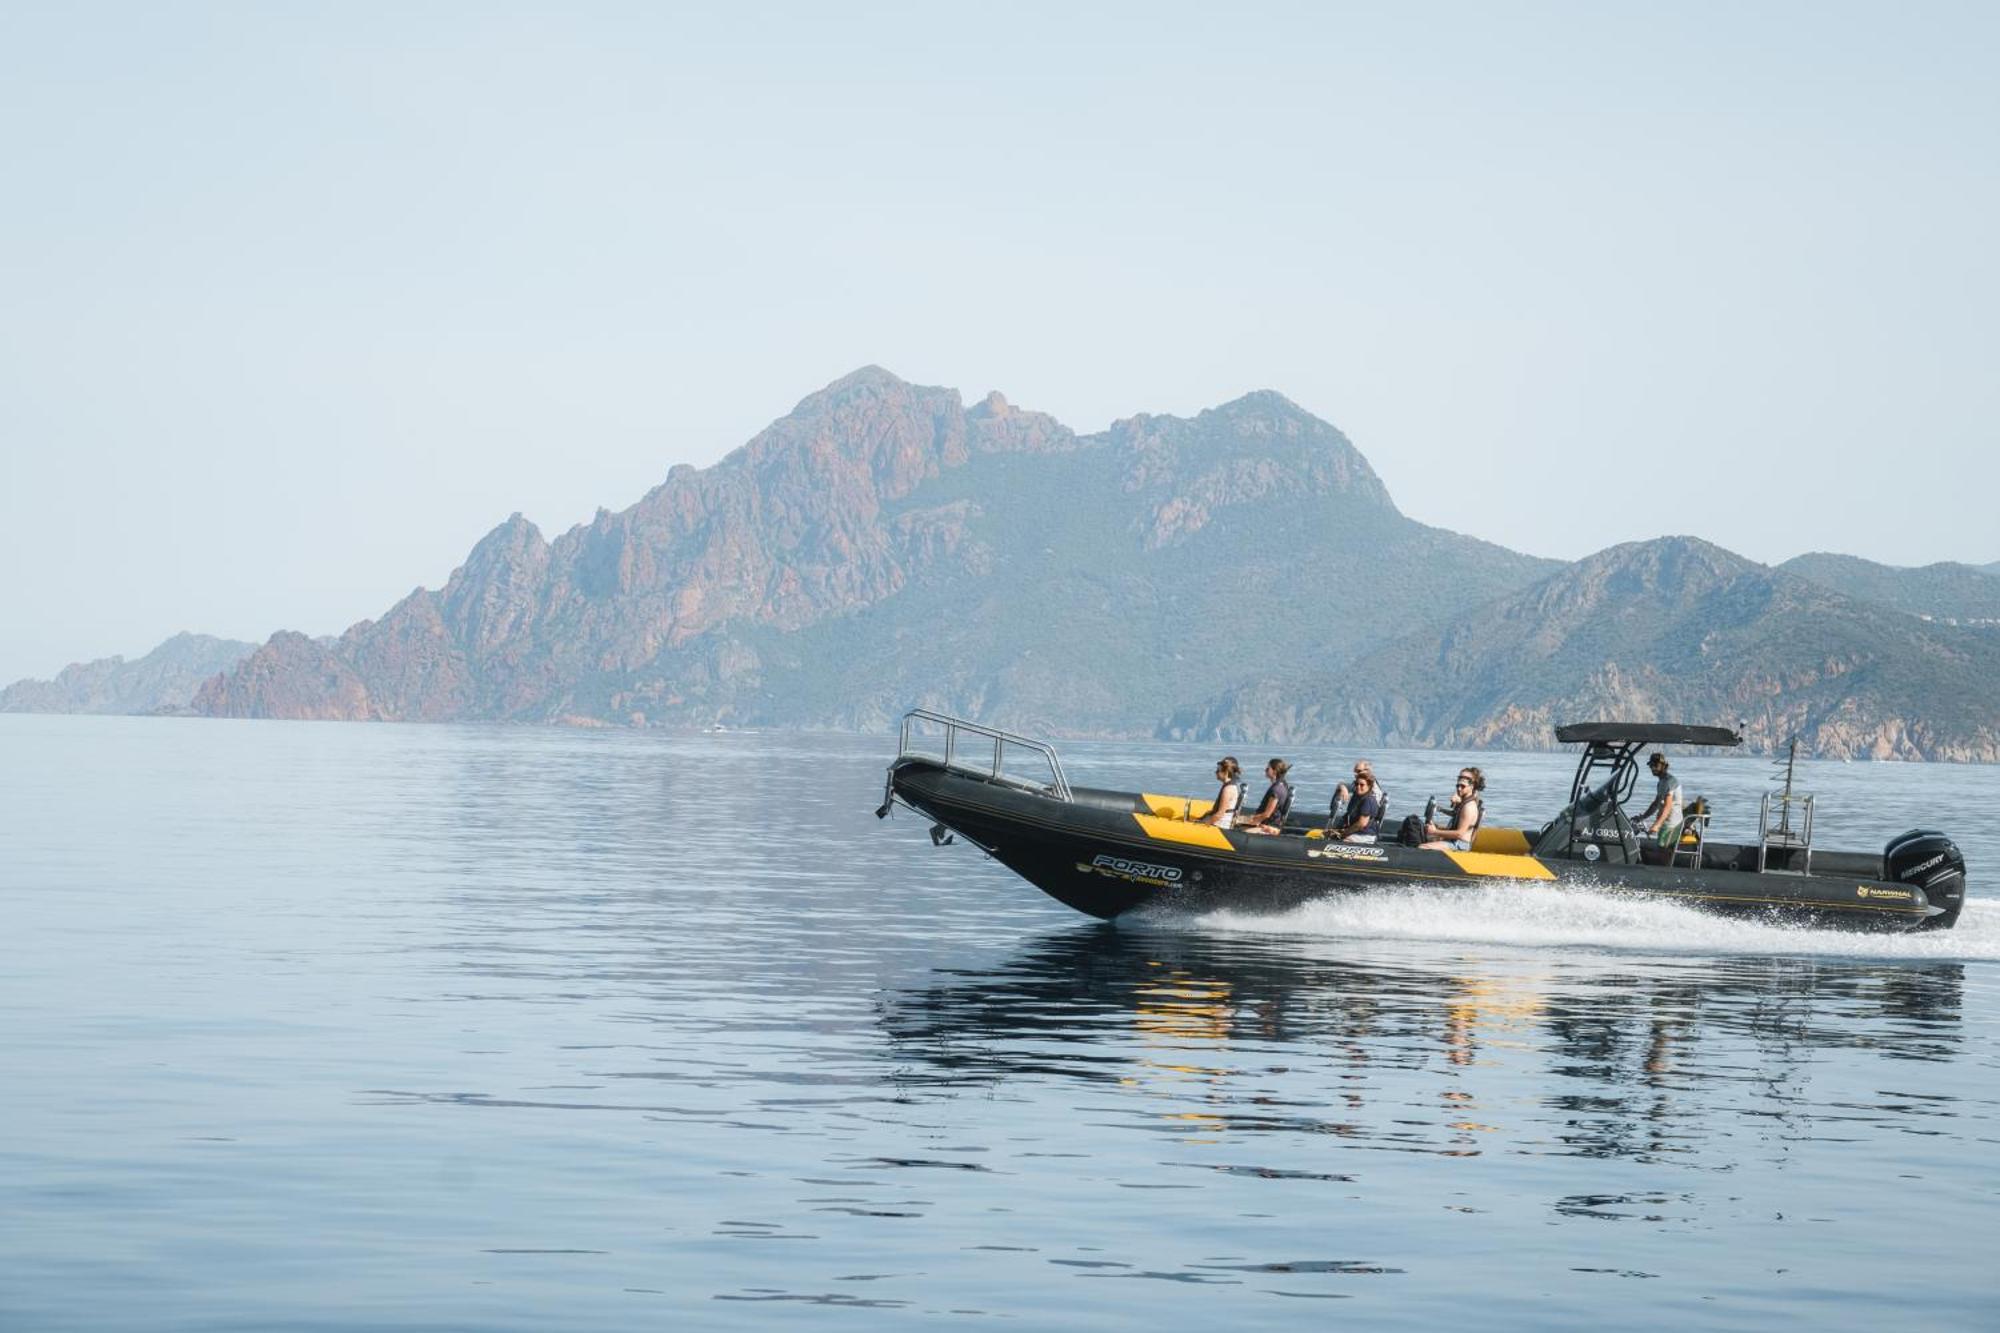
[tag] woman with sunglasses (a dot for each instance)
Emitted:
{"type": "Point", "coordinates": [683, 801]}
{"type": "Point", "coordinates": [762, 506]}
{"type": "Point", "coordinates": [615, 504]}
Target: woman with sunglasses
{"type": "Point", "coordinates": [1467, 807]}
{"type": "Point", "coordinates": [1229, 799]}
{"type": "Point", "coordinates": [1343, 795]}
{"type": "Point", "coordinates": [1362, 821]}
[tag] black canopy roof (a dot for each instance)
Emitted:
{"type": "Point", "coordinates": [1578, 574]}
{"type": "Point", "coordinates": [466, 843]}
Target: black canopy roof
{"type": "Point", "coordinates": [1648, 733]}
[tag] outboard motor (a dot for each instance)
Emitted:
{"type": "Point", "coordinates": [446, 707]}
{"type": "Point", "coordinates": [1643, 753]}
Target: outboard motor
{"type": "Point", "coordinates": [1926, 859]}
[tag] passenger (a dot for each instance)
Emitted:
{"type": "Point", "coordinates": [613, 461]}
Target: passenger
{"type": "Point", "coordinates": [1269, 816]}
{"type": "Point", "coordinates": [1362, 820]}
{"type": "Point", "coordinates": [1229, 800]}
{"type": "Point", "coordinates": [1657, 841]}
{"type": "Point", "coordinates": [1467, 808]}
{"type": "Point", "coordinates": [1343, 794]}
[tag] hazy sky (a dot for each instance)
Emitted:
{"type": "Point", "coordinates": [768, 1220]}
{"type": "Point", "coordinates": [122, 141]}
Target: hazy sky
{"type": "Point", "coordinates": [298, 301]}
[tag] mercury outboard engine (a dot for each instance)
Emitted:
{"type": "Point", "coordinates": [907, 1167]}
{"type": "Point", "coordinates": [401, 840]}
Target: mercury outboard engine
{"type": "Point", "coordinates": [1926, 859]}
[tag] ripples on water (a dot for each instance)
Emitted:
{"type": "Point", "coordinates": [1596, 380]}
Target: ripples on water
{"type": "Point", "coordinates": [399, 1027]}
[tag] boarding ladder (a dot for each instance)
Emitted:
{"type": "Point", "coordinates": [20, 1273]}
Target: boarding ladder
{"type": "Point", "coordinates": [1784, 823]}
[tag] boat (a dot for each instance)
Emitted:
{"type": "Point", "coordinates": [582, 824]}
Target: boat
{"type": "Point", "coordinates": [1106, 853]}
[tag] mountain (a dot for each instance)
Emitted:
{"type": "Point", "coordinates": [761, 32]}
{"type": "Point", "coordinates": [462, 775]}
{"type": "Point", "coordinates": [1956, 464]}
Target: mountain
{"type": "Point", "coordinates": [1672, 629]}
{"type": "Point", "coordinates": [1965, 594]}
{"type": "Point", "coordinates": [884, 545]}
{"type": "Point", "coordinates": [163, 679]}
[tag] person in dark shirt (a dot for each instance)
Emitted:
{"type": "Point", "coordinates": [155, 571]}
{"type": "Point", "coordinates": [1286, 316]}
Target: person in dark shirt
{"type": "Point", "coordinates": [1269, 816]}
{"type": "Point", "coordinates": [1343, 793]}
{"type": "Point", "coordinates": [1362, 820]}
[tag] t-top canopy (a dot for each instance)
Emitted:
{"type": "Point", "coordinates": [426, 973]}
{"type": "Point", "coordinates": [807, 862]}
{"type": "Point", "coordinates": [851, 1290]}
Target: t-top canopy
{"type": "Point", "coordinates": [1648, 733]}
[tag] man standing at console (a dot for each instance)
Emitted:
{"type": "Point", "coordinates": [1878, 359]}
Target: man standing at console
{"type": "Point", "coordinates": [1665, 811]}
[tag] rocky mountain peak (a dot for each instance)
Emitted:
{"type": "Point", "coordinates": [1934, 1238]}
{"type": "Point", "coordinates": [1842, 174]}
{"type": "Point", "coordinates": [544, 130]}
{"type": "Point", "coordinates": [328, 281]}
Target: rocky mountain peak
{"type": "Point", "coordinates": [1265, 406]}
{"type": "Point", "coordinates": [1671, 564]}
{"type": "Point", "coordinates": [857, 385]}
{"type": "Point", "coordinates": [514, 535]}
{"type": "Point", "coordinates": [1645, 577]}
{"type": "Point", "coordinates": [1259, 445]}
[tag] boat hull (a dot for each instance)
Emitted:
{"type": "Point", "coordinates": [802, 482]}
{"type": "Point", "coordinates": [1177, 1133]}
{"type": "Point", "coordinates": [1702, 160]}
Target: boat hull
{"type": "Point", "coordinates": [1108, 853]}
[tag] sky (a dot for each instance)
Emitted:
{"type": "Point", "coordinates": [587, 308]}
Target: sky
{"type": "Point", "coordinates": [298, 301]}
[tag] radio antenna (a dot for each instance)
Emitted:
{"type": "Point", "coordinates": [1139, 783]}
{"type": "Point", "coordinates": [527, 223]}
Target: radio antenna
{"type": "Point", "coordinates": [1785, 808]}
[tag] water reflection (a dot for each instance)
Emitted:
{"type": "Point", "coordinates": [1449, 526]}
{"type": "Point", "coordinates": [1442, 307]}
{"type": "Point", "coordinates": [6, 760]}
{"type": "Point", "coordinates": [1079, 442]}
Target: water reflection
{"type": "Point", "coordinates": [514, 1013]}
{"type": "Point", "coordinates": [1582, 1056]}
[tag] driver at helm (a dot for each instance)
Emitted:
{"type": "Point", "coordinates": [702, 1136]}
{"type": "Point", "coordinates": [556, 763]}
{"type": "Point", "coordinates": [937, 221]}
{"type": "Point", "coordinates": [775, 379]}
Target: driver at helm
{"type": "Point", "coordinates": [1665, 810]}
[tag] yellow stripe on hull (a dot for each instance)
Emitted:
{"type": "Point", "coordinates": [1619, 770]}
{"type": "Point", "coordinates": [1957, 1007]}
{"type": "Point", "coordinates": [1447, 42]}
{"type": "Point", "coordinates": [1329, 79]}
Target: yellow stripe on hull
{"type": "Point", "coordinates": [1500, 865]}
{"type": "Point", "coordinates": [1181, 830]}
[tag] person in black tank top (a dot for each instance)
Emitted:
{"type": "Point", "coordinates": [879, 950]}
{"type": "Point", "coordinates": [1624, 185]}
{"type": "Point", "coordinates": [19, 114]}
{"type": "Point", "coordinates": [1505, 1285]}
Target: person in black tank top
{"type": "Point", "coordinates": [1269, 817]}
{"type": "Point", "coordinates": [1468, 807]}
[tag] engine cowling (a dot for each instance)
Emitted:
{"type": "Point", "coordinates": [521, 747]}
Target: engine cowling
{"type": "Point", "coordinates": [1926, 859]}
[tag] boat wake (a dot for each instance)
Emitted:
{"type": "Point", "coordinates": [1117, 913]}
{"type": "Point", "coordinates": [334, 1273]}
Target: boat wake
{"type": "Point", "coordinates": [1542, 918]}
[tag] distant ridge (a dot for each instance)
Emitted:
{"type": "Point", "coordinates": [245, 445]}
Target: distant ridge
{"type": "Point", "coordinates": [164, 679]}
{"type": "Point", "coordinates": [1674, 629]}
{"type": "Point", "coordinates": [1953, 592]}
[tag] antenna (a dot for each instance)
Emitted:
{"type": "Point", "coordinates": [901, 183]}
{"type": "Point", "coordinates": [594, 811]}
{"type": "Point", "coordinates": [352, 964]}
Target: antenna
{"type": "Point", "coordinates": [1780, 834]}
{"type": "Point", "coordinates": [1791, 765]}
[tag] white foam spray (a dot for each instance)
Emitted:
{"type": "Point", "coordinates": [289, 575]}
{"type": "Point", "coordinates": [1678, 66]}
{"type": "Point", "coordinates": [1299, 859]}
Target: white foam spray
{"type": "Point", "coordinates": [1542, 917]}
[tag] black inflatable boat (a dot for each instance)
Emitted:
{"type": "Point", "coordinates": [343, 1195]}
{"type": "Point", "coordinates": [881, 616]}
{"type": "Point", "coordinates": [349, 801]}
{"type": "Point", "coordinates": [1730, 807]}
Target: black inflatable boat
{"type": "Point", "coordinates": [1108, 852]}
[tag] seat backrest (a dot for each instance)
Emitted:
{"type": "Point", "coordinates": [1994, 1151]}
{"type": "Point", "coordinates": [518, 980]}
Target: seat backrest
{"type": "Point", "coordinates": [1694, 822]}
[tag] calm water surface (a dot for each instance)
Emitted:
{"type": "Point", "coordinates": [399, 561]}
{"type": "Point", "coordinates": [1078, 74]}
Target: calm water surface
{"type": "Point", "coordinates": [367, 1027]}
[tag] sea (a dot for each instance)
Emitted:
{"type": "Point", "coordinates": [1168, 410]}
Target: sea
{"type": "Point", "coordinates": [322, 1026]}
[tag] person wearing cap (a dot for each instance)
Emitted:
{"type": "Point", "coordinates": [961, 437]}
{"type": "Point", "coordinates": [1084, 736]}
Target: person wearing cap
{"type": "Point", "coordinates": [1665, 811]}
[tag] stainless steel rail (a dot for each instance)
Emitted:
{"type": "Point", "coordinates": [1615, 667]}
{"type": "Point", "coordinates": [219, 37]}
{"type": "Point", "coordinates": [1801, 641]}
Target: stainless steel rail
{"type": "Point", "coordinates": [954, 727]}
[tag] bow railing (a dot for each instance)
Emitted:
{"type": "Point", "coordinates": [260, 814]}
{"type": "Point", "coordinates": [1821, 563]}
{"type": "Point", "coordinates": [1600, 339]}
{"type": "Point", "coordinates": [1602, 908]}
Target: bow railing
{"type": "Point", "coordinates": [975, 748]}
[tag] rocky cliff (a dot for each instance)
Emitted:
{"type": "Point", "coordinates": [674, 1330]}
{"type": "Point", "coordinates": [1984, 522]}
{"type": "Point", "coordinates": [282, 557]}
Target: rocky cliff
{"type": "Point", "coordinates": [1672, 629]}
{"type": "Point", "coordinates": [163, 679]}
{"type": "Point", "coordinates": [884, 544]}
